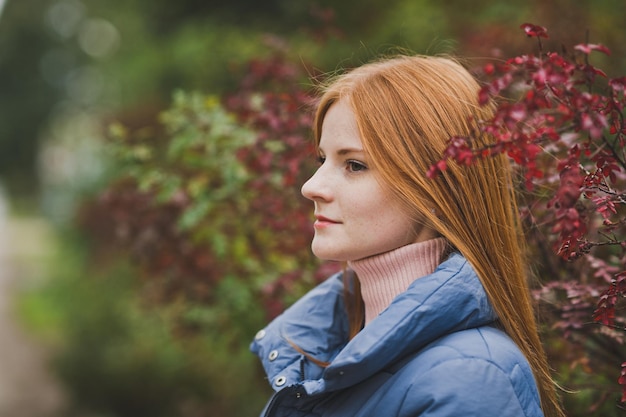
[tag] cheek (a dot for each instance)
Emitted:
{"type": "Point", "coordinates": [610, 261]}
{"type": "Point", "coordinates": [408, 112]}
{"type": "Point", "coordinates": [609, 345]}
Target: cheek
{"type": "Point", "coordinates": [379, 211]}
{"type": "Point", "coordinates": [394, 224]}
{"type": "Point", "coordinates": [389, 215]}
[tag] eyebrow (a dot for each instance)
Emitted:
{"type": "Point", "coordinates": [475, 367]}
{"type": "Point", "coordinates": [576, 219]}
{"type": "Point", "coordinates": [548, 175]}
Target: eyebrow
{"type": "Point", "coordinates": [346, 151]}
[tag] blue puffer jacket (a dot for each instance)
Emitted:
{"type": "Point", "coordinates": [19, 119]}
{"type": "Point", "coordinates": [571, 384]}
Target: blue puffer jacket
{"type": "Point", "coordinates": [433, 352]}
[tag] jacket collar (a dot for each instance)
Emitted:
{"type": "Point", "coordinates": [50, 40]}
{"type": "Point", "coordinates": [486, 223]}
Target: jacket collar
{"type": "Point", "coordinates": [450, 299]}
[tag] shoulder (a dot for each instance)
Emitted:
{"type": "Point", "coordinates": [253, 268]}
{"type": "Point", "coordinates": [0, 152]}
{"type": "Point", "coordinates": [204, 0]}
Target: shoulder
{"type": "Point", "coordinates": [475, 372]}
{"type": "Point", "coordinates": [322, 300]}
{"type": "Point", "coordinates": [316, 323]}
{"type": "Point", "coordinates": [321, 309]}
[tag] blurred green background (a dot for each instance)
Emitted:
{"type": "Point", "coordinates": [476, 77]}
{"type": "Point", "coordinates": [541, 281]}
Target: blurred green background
{"type": "Point", "coordinates": [139, 255]}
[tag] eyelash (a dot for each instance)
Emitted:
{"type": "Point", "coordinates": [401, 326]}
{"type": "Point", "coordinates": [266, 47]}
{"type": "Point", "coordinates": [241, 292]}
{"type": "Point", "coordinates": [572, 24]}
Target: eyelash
{"type": "Point", "coordinates": [351, 165]}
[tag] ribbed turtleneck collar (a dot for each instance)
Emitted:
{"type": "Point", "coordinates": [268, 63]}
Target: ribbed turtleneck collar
{"type": "Point", "coordinates": [383, 277]}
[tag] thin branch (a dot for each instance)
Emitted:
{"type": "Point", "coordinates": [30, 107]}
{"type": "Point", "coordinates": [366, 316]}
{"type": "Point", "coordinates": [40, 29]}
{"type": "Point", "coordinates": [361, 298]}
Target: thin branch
{"type": "Point", "coordinates": [614, 152]}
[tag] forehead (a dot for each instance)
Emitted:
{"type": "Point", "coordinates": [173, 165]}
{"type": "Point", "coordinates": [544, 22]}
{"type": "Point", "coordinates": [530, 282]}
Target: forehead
{"type": "Point", "coordinates": [339, 128]}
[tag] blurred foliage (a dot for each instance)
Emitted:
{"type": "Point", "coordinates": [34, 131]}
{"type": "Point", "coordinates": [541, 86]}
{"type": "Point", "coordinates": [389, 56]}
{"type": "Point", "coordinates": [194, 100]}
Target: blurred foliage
{"type": "Point", "coordinates": [213, 191]}
{"type": "Point", "coordinates": [192, 230]}
{"type": "Point", "coordinates": [124, 58]}
{"type": "Point", "coordinates": [121, 356]}
{"type": "Point", "coordinates": [194, 246]}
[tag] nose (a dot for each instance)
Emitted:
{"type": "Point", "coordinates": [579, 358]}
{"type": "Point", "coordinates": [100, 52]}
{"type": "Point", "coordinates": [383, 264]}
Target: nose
{"type": "Point", "coordinates": [316, 188]}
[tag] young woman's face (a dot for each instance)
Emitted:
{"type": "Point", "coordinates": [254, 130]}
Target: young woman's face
{"type": "Point", "coordinates": [356, 215]}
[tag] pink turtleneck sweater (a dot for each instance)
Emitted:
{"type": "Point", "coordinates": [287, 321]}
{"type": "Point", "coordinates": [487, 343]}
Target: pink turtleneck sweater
{"type": "Point", "coordinates": [389, 274]}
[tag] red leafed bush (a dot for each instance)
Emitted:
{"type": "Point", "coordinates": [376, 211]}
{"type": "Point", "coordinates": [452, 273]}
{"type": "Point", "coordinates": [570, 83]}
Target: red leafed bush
{"type": "Point", "coordinates": [561, 121]}
{"type": "Point", "coordinates": [212, 196]}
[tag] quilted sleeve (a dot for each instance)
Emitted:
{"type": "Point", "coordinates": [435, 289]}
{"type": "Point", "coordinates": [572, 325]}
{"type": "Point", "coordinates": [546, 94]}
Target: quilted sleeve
{"type": "Point", "coordinates": [471, 387]}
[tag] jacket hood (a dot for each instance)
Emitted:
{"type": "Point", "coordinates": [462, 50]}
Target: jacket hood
{"type": "Point", "coordinates": [448, 300]}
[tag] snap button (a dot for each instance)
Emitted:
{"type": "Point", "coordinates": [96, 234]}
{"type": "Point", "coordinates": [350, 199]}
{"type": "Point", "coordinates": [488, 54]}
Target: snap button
{"type": "Point", "coordinates": [280, 381]}
{"type": "Point", "coordinates": [273, 355]}
{"type": "Point", "coordinates": [260, 335]}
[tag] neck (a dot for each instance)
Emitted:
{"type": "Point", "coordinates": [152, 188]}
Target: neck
{"type": "Point", "coordinates": [383, 277]}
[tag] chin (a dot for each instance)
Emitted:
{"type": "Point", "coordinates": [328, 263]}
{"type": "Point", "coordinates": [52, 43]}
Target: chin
{"type": "Point", "coordinates": [326, 255]}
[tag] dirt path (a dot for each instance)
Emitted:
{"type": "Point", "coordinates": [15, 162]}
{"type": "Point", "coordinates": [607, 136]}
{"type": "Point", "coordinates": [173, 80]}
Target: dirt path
{"type": "Point", "coordinates": [27, 388]}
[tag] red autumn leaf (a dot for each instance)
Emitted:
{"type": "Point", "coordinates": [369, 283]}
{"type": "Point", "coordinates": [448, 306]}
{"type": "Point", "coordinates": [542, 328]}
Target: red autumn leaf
{"type": "Point", "coordinates": [569, 190]}
{"type": "Point", "coordinates": [594, 123]}
{"type": "Point", "coordinates": [435, 169]}
{"type": "Point", "coordinates": [484, 95]}
{"type": "Point", "coordinates": [618, 84]}
{"type": "Point", "coordinates": [605, 206]}
{"type": "Point", "coordinates": [588, 47]}
{"type": "Point", "coordinates": [605, 313]}
{"type": "Point", "coordinates": [534, 30]}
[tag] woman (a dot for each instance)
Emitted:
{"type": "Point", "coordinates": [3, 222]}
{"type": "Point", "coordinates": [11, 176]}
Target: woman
{"type": "Point", "coordinates": [432, 316]}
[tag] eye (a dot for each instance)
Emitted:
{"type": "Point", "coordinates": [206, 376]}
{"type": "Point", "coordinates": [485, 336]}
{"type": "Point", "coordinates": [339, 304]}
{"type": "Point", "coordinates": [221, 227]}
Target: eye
{"type": "Point", "coordinates": [355, 166]}
{"type": "Point", "coordinates": [321, 159]}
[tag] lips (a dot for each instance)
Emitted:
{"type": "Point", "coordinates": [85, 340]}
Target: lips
{"type": "Point", "coordinates": [321, 221]}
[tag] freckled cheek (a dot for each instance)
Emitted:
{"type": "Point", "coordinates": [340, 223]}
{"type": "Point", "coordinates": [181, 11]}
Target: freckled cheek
{"type": "Point", "coordinates": [372, 214]}
{"type": "Point", "coordinates": [389, 217]}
